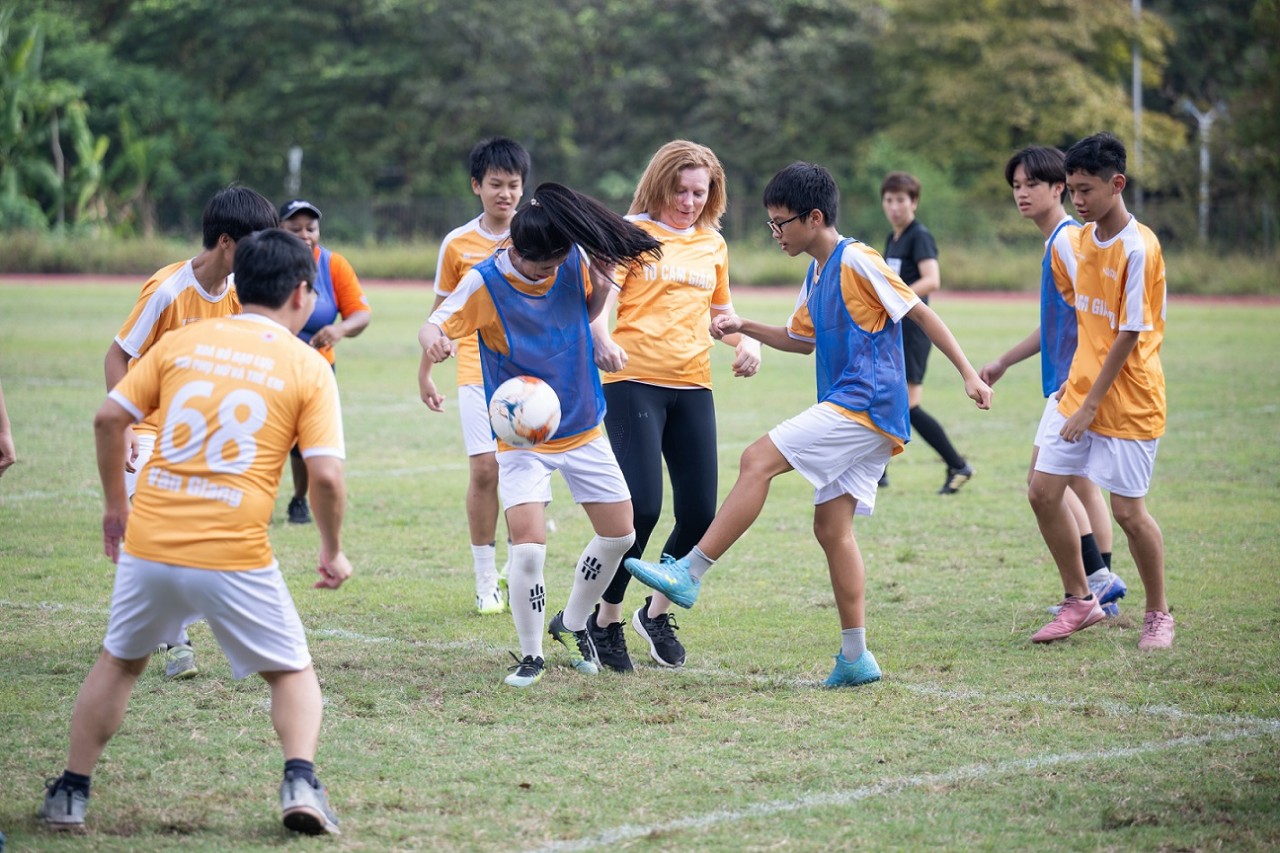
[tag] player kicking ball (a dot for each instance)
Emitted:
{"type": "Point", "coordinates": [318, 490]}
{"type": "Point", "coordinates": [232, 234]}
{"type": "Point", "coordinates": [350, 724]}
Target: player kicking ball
{"type": "Point", "coordinates": [848, 314]}
{"type": "Point", "coordinates": [235, 394]}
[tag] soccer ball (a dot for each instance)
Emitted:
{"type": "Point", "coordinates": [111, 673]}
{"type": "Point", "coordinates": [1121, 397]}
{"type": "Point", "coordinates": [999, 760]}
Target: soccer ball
{"type": "Point", "coordinates": [524, 411]}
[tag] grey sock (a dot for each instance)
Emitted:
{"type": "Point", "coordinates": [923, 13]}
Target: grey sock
{"type": "Point", "coordinates": [853, 642]}
{"type": "Point", "coordinates": [698, 563]}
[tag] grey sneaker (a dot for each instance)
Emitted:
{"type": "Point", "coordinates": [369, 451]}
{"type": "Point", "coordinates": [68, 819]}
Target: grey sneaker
{"type": "Point", "coordinates": [306, 809]}
{"type": "Point", "coordinates": [180, 662]}
{"type": "Point", "coordinates": [63, 809]}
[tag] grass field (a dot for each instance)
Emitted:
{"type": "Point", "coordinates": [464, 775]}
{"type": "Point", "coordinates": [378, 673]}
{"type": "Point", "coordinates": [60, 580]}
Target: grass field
{"type": "Point", "coordinates": [975, 739]}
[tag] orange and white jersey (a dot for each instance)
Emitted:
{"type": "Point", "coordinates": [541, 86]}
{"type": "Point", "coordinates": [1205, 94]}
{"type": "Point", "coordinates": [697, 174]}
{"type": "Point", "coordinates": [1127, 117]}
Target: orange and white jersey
{"type": "Point", "coordinates": [1062, 258]}
{"type": "Point", "coordinates": [171, 299]}
{"type": "Point", "coordinates": [664, 307]}
{"type": "Point", "coordinates": [1120, 287]}
{"type": "Point", "coordinates": [470, 309]}
{"type": "Point", "coordinates": [463, 248]}
{"type": "Point", "coordinates": [233, 396]}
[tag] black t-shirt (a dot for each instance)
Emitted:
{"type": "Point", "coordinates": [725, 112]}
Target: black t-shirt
{"type": "Point", "coordinates": [905, 254]}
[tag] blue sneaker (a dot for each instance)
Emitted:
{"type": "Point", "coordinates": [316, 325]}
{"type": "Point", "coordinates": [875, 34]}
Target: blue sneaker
{"type": "Point", "coordinates": [864, 670]}
{"type": "Point", "coordinates": [1108, 586]}
{"type": "Point", "coordinates": [670, 577]}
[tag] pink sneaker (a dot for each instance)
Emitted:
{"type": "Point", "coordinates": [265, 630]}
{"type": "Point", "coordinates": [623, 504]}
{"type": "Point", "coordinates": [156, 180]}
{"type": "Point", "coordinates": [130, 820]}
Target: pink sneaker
{"type": "Point", "coordinates": [1157, 630]}
{"type": "Point", "coordinates": [1074, 614]}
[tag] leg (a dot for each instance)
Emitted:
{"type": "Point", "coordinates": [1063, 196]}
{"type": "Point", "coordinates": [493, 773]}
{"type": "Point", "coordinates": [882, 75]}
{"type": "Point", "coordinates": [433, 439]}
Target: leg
{"type": "Point", "coordinates": [1146, 545]}
{"type": "Point", "coordinates": [100, 708]}
{"type": "Point", "coordinates": [760, 463]}
{"type": "Point", "coordinates": [299, 467]}
{"type": "Point", "coordinates": [296, 710]}
{"type": "Point", "coordinates": [833, 528]}
{"type": "Point", "coordinates": [482, 498]}
{"type": "Point", "coordinates": [1058, 528]}
{"type": "Point", "coordinates": [1095, 508]}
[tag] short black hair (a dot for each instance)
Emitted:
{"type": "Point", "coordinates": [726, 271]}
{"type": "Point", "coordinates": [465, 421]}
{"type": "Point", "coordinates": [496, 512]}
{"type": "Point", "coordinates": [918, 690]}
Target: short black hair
{"type": "Point", "coordinates": [1041, 163]}
{"type": "Point", "coordinates": [268, 266]}
{"type": "Point", "coordinates": [1100, 155]}
{"type": "Point", "coordinates": [901, 182]}
{"type": "Point", "coordinates": [236, 212]}
{"type": "Point", "coordinates": [499, 154]}
{"type": "Point", "coordinates": [804, 187]}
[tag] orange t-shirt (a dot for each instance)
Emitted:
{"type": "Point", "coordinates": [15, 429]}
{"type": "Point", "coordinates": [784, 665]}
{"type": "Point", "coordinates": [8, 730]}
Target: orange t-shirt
{"type": "Point", "coordinates": [462, 249]}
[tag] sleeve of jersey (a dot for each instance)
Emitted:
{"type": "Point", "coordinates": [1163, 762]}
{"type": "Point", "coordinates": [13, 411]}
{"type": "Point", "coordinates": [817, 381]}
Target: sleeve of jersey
{"type": "Point", "coordinates": [139, 391]}
{"type": "Point", "coordinates": [138, 333]}
{"type": "Point", "coordinates": [346, 286]}
{"type": "Point", "coordinates": [1063, 262]}
{"type": "Point", "coordinates": [1134, 313]}
{"type": "Point", "coordinates": [885, 285]}
{"type": "Point", "coordinates": [466, 309]}
{"type": "Point", "coordinates": [320, 420]}
{"type": "Point", "coordinates": [720, 297]}
{"type": "Point", "coordinates": [446, 268]}
{"type": "Point", "coordinates": [925, 248]}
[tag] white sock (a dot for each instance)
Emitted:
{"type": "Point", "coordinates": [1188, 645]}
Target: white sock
{"type": "Point", "coordinates": [698, 563]}
{"type": "Point", "coordinates": [853, 642]}
{"type": "Point", "coordinates": [527, 596]}
{"type": "Point", "coordinates": [484, 559]}
{"type": "Point", "coordinates": [595, 570]}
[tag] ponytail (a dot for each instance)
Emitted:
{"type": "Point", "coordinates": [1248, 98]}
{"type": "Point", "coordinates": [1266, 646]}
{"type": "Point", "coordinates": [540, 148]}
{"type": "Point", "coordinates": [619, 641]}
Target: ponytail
{"type": "Point", "coordinates": [557, 217]}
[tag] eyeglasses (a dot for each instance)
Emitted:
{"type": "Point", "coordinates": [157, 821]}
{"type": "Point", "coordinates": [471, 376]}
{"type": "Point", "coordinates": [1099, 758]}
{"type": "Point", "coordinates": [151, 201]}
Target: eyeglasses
{"type": "Point", "coordinates": [311, 288]}
{"type": "Point", "coordinates": [776, 227]}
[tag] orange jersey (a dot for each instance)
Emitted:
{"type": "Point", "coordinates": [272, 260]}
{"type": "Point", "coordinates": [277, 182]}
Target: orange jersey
{"type": "Point", "coordinates": [348, 295]}
{"type": "Point", "coordinates": [1120, 287]}
{"type": "Point", "coordinates": [664, 308]}
{"type": "Point", "coordinates": [462, 249]}
{"type": "Point", "coordinates": [170, 299]}
{"type": "Point", "coordinates": [233, 395]}
{"type": "Point", "coordinates": [470, 309]}
{"type": "Point", "coordinates": [873, 294]}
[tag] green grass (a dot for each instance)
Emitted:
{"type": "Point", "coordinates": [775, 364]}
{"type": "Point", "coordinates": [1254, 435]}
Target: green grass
{"type": "Point", "coordinates": [975, 739]}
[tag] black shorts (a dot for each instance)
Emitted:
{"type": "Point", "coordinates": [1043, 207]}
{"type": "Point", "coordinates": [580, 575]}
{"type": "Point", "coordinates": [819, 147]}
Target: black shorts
{"type": "Point", "coordinates": [915, 347]}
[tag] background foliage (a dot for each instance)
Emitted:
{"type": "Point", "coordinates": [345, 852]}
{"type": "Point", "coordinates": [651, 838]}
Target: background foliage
{"type": "Point", "coordinates": [124, 115]}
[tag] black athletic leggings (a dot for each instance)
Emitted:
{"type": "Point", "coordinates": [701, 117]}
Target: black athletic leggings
{"type": "Point", "coordinates": [647, 424]}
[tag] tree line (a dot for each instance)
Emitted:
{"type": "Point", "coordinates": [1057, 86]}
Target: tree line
{"type": "Point", "coordinates": [125, 115]}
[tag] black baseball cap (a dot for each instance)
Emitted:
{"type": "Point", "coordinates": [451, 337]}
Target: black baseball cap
{"type": "Point", "coordinates": [289, 208]}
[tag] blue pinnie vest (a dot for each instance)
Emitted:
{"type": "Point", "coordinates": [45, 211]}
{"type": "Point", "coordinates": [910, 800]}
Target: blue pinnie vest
{"type": "Point", "coordinates": [548, 337]}
{"type": "Point", "coordinates": [326, 310]}
{"type": "Point", "coordinates": [859, 370]}
{"type": "Point", "coordinates": [1058, 326]}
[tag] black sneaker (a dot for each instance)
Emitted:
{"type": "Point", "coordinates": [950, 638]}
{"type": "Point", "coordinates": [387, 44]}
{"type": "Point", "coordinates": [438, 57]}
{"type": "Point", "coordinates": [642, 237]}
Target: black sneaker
{"type": "Point", "coordinates": [527, 671]}
{"type": "Point", "coordinates": [956, 477]}
{"type": "Point", "coordinates": [299, 512]}
{"type": "Point", "coordinates": [660, 631]}
{"type": "Point", "coordinates": [611, 645]}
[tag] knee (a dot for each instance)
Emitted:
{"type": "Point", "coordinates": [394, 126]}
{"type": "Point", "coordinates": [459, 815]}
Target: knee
{"type": "Point", "coordinates": [1128, 513]}
{"type": "Point", "coordinates": [484, 472]}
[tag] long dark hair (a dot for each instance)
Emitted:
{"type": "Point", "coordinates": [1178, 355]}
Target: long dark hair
{"type": "Point", "coordinates": [557, 217]}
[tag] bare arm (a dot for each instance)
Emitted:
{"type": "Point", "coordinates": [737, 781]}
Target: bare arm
{"type": "Point", "coordinates": [328, 494]}
{"type": "Point", "coordinates": [114, 366]}
{"type": "Point", "coordinates": [1079, 423]}
{"type": "Point", "coordinates": [347, 327]}
{"type": "Point", "coordinates": [109, 426]}
{"type": "Point", "coordinates": [601, 287]}
{"type": "Point", "coordinates": [1021, 351]}
{"type": "Point", "coordinates": [930, 277]}
{"type": "Point", "coordinates": [609, 356]}
{"type": "Point", "coordinates": [746, 349]}
{"type": "Point", "coordinates": [941, 336]}
{"type": "Point", "coordinates": [8, 455]}
{"type": "Point", "coordinates": [774, 336]}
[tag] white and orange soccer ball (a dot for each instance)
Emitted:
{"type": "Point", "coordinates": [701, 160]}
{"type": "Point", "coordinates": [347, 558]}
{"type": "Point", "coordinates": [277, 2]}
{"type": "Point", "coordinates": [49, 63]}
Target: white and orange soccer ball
{"type": "Point", "coordinates": [524, 411]}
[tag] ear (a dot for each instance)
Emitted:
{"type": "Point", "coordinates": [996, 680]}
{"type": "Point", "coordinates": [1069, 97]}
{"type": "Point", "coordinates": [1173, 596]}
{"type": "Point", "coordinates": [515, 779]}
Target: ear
{"type": "Point", "coordinates": [816, 218]}
{"type": "Point", "coordinates": [1119, 182]}
{"type": "Point", "coordinates": [298, 299]}
{"type": "Point", "coordinates": [475, 186]}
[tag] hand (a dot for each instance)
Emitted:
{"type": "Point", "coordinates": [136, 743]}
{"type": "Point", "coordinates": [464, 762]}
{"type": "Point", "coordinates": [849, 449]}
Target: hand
{"type": "Point", "coordinates": [609, 356]}
{"type": "Point", "coordinates": [725, 324]}
{"type": "Point", "coordinates": [991, 372]}
{"type": "Point", "coordinates": [8, 455]}
{"type": "Point", "coordinates": [1078, 424]}
{"type": "Point", "coordinates": [328, 336]}
{"type": "Point", "coordinates": [979, 392]}
{"type": "Point", "coordinates": [131, 446]}
{"type": "Point", "coordinates": [113, 526]}
{"type": "Point", "coordinates": [441, 348]}
{"type": "Point", "coordinates": [433, 398]}
{"type": "Point", "coordinates": [333, 570]}
{"type": "Point", "coordinates": [747, 360]}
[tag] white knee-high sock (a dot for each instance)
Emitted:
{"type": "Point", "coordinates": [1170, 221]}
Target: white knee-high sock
{"type": "Point", "coordinates": [485, 561]}
{"type": "Point", "coordinates": [596, 567]}
{"type": "Point", "coordinates": [528, 595]}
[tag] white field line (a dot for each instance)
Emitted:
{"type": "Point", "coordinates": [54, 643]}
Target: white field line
{"type": "Point", "coordinates": [973, 773]}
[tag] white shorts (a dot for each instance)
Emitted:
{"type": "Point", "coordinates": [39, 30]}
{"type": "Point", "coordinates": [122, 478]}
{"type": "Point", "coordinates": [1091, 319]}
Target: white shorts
{"type": "Point", "coordinates": [591, 472]}
{"type": "Point", "coordinates": [146, 446]}
{"type": "Point", "coordinates": [837, 455]}
{"type": "Point", "coordinates": [250, 613]}
{"type": "Point", "coordinates": [1122, 466]}
{"type": "Point", "coordinates": [477, 434]}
